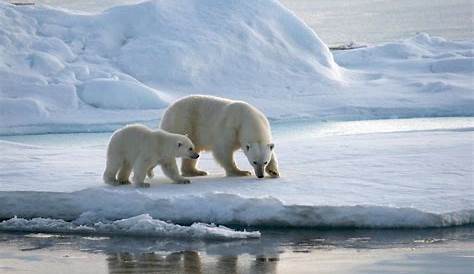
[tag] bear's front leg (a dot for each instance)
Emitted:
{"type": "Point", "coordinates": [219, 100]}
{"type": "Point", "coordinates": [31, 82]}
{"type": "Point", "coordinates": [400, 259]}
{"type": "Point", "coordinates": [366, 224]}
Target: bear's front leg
{"type": "Point", "coordinates": [224, 155]}
{"type": "Point", "coordinates": [272, 167]}
{"type": "Point", "coordinates": [188, 168]}
{"type": "Point", "coordinates": [170, 169]}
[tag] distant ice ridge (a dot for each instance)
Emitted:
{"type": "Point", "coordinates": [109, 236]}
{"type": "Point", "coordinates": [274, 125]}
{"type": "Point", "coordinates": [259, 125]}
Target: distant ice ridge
{"type": "Point", "coordinates": [60, 69]}
{"type": "Point", "coordinates": [221, 208]}
{"type": "Point", "coordinates": [141, 225]}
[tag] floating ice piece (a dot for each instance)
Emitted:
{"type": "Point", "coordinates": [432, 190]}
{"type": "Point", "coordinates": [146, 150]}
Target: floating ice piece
{"type": "Point", "coordinates": [141, 225]}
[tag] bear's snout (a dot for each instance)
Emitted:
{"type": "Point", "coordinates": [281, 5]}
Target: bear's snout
{"type": "Point", "coordinates": [194, 155]}
{"type": "Point", "coordinates": [259, 171]}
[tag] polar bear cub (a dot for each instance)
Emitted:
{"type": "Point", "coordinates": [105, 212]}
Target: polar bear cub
{"type": "Point", "coordinates": [138, 148]}
{"type": "Point", "coordinates": [223, 126]}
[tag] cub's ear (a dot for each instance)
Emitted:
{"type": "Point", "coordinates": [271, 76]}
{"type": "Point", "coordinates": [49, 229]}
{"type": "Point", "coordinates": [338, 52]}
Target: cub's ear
{"type": "Point", "coordinates": [180, 144]}
{"type": "Point", "coordinates": [271, 146]}
{"type": "Point", "coordinates": [186, 135]}
{"type": "Point", "coordinates": [247, 147]}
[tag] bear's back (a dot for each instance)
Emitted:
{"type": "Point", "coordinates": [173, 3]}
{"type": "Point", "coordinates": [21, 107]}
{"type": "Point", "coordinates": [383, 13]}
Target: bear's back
{"type": "Point", "coordinates": [130, 138]}
{"type": "Point", "coordinates": [193, 110]}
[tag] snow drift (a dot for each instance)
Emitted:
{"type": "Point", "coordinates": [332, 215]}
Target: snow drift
{"type": "Point", "coordinates": [108, 207]}
{"type": "Point", "coordinates": [114, 94]}
{"type": "Point", "coordinates": [66, 71]}
{"type": "Point", "coordinates": [62, 61]}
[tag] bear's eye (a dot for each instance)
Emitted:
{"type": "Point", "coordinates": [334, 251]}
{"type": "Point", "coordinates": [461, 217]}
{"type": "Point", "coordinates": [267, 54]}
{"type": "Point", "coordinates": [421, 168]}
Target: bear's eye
{"type": "Point", "coordinates": [254, 162]}
{"type": "Point", "coordinates": [190, 149]}
{"type": "Point", "coordinates": [265, 163]}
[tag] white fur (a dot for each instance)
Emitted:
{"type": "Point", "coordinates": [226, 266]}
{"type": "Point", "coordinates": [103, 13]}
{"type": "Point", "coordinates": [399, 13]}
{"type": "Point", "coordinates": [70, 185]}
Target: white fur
{"type": "Point", "coordinates": [138, 148]}
{"type": "Point", "coordinates": [223, 126]}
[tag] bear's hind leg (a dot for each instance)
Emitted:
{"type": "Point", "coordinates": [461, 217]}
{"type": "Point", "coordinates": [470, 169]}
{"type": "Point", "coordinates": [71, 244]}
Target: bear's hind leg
{"type": "Point", "coordinates": [224, 155]}
{"type": "Point", "coordinates": [150, 172]}
{"type": "Point", "coordinates": [112, 166]}
{"type": "Point", "coordinates": [140, 170]}
{"type": "Point", "coordinates": [124, 173]}
{"type": "Point", "coordinates": [188, 168]}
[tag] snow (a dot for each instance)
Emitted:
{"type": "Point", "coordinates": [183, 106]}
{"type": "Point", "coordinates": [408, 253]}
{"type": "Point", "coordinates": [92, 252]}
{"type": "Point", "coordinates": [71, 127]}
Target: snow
{"type": "Point", "coordinates": [390, 173]}
{"type": "Point", "coordinates": [61, 69]}
{"type": "Point", "coordinates": [65, 71]}
{"type": "Point", "coordinates": [116, 94]}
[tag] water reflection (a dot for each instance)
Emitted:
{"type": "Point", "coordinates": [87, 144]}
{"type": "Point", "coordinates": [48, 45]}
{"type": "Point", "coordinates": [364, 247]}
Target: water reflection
{"type": "Point", "coordinates": [175, 262]}
{"type": "Point", "coordinates": [264, 255]}
{"type": "Point", "coordinates": [189, 262]}
{"type": "Point", "coordinates": [278, 251]}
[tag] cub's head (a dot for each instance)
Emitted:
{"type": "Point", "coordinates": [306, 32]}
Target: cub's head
{"type": "Point", "coordinates": [185, 148]}
{"type": "Point", "coordinates": [259, 155]}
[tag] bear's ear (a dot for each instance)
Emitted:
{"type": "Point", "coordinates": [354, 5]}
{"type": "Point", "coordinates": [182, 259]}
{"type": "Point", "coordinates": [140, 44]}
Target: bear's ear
{"type": "Point", "coordinates": [247, 147]}
{"type": "Point", "coordinates": [180, 144]}
{"type": "Point", "coordinates": [271, 146]}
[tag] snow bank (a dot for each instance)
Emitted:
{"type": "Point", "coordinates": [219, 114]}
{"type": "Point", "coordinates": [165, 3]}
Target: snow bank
{"type": "Point", "coordinates": [222, 208]}
{"type": "Point", "coordinates": [62, 70]}
{"type": "Point", "coordinates": [142, 225]}
{"type": "Point", "coordinates": [87, 63]}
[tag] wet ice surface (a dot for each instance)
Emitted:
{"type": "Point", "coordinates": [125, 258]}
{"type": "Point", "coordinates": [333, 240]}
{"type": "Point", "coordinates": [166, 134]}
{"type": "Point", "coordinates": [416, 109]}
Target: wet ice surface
{"type": "Point", "coordinates": [391, 173]}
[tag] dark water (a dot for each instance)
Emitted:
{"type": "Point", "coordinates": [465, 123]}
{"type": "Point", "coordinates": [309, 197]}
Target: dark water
{"type": "Point", "coordinates": [375, 21]}
{"type": "Point", "coordinates": [278, 251]}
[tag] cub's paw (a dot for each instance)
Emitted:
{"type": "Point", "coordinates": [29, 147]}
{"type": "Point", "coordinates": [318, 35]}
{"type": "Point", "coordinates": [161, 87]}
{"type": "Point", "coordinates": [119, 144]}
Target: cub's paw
{"type": "Point", "coordinates": [194, 173]}
{"type": "Point", "coordinates": [123, 182]}
{"type": "Point", "coordinates": [238, 173]}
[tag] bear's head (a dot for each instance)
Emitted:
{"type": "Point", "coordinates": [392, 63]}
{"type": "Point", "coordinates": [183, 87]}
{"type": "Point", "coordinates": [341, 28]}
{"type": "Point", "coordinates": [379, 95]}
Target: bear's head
{"type": "Point", "coordinates": [259, 155]}
{"type": "Point", "coordinates": [185, 148]}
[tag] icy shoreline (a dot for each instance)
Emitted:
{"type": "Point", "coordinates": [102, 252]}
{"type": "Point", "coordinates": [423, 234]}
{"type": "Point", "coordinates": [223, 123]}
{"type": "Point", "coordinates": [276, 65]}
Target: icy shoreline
{"type": "Point", "coordinates": [369, 174]}
{"type": "Point", "coordinates": [221, 208]}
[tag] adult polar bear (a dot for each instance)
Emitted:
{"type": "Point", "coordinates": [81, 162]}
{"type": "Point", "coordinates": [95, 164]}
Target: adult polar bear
{"type": "Point", "coordinates": [223, 126]}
